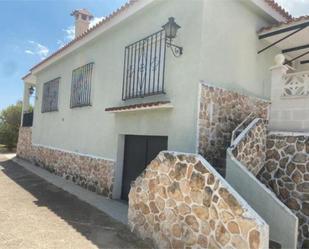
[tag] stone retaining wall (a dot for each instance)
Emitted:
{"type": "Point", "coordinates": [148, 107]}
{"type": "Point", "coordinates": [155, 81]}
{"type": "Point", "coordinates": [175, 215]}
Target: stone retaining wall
{"type": "Point", "coordinates": [286, 172]}
{"type": "Point", "coordinates": [180, 201]}
{"type": "Point", "coordinates": [220, 112]}
{"type": "Point", "coordinates": [93, 173]}
{"type": "Point", "coordinates": [250, 147]}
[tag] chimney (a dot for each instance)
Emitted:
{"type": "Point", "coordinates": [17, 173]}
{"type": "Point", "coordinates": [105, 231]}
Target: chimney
{"type": "Point", "coordinates": [82, 21]}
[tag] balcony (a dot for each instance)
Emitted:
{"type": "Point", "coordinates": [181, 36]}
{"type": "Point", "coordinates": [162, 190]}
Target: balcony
{"type": "Point", "coordinates": [144, 67]}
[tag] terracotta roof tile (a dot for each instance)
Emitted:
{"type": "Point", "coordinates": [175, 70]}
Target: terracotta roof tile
{"type": "Point", "coordinates": [137, 106]}
{"type": "Point", "coordinates": [279, 9]}
{"type": "Point", "coordinates": [272, 3]}
{"type": "Point", "coordinates": [105, 20]}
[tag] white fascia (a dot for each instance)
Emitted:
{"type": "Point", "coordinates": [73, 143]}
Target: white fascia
{"type": "Point", "coordinates": [139, 5]}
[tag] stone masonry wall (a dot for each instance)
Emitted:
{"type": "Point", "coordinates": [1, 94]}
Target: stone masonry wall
{"type": "Point", "coordinates": [286, 172]}
{"type": "Point", "coordinates": [93, 173]}
{"type": "Point", "coordinates": [220, 112]}
{"type": "Point", "coordinates": [180, 201]}
{"type": "Point", "coordinates": [24, 145]}
{"type": "Point", "coordinates": [250, 149]}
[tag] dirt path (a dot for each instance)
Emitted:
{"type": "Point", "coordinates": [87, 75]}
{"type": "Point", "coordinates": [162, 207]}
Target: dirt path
{"type": "Point", "coordinates": [35, 214]}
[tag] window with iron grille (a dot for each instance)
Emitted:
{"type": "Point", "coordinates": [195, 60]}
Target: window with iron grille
{"type": "Point", "coordinates": [81, 86]}
{"type": "Point", "coordinates": [144, 67]}
{"type": "Point", "coordinates": [50, 95]}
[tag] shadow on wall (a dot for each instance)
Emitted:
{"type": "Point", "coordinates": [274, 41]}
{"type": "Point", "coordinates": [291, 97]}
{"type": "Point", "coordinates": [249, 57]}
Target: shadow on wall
{"type": "Point", "coordinates": [95, 226]}
{"type": "Point", "coordinates": [220, 112]}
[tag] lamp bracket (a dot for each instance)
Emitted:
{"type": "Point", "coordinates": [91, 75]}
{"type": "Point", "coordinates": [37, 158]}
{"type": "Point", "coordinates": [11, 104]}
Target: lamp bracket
{"type": "Point", "coordinates": [176, 50]}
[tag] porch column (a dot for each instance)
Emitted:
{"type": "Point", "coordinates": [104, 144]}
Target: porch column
{"type": "Point", "coordinates": [278, 71]}
{"type": "Point", "coordinates": [26, 98]}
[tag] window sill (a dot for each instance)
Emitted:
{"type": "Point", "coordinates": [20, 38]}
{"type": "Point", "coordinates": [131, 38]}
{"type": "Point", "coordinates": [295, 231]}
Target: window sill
{"type": "Point", "coordinates": [141, 107]}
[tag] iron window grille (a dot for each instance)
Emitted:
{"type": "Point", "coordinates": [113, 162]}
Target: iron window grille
{"type": "Point", "coordinates": [144, 67]}
{"type": "Point", "coordinates": [81, 86]}
{"type": "Point", "coordinates": [27, 119]}
{"type": "Point", "coordinates": [50, 95]}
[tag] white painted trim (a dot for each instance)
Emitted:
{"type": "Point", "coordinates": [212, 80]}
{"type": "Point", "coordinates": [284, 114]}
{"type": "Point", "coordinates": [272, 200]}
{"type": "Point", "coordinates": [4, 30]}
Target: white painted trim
{"type": "Point", "coordinates": [294, 97]}
{"type": "Point", "coordinates": [146, 108]}
{"type": "Point", "coordinates": [134, 8]}
{"type": "Point", "coordinates": [197, 132]}
{"type": "Point", "coordinates": [118, 173]}
{"type": "Point", "coordinates": [288, 133]}
{"type": "Point", "coordinates": [73, 152]}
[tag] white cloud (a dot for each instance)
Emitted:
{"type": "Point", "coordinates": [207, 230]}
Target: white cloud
{"type": "Point", "coordinates": [38, 49]}
{"type": "Point", "coordinates": [95, 21]}
{"type": "Point", "coordinates": [69, 32]}
{"type": "Point", "coordinates": [27, 51]}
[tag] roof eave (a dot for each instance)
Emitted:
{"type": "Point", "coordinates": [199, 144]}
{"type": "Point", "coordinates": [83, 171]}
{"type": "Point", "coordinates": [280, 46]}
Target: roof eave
{"type": "Point", "coordinates": [278, 14]}
{"type": "Point", "coordinates": [109, 22]}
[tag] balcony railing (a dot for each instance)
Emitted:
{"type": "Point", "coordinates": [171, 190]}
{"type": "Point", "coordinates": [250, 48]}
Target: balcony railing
{"type": "Point", "coordinates": [27, 119]}
{"type": "Point", "coordinates": [144, 67]}
{"type": "Point", "coordinates": [296, 84]}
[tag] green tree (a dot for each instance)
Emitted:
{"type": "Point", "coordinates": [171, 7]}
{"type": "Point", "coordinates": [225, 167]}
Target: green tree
{"type": "Point", "coordinates": [10, 119]}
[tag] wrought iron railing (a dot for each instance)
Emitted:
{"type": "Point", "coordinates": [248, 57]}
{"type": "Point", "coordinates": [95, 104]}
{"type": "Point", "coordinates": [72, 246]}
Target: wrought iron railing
{"type": "Point", "coordinates": [296, 84]}
{"type": "Point", "coordinates": [27, 119]}
{"type": "Point", "coordinates": [144, 67]}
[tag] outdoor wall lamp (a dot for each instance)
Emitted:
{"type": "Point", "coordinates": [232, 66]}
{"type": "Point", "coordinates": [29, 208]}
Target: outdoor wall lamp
{"type": "Point", "coordinates": [170, 29]}
{"type": "Point", "coordinates": [31, 90]}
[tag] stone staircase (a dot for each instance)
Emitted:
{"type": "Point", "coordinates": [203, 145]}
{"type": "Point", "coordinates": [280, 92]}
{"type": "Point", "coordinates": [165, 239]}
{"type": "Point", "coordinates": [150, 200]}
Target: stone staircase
{"type": "Point", "coordinates": [284, 161]}
{"type": "Point", "coordinates": [220, 163]}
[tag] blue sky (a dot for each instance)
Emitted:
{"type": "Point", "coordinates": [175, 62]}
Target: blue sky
{"type": "Point", "coordinates": [32, 29]}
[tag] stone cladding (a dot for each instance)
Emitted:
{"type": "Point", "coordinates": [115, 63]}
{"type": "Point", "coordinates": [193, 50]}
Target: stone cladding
{"type": "Point", "coordinates": [286, 172]}
{"type": "Point", "coordinates": [220, 112]}
{"type": "Point", "coordinates": [250, 147]}
{"type": "Point", "coordinates": [93, 173]}
{"type": "Point", "coordinates": [180, 201]}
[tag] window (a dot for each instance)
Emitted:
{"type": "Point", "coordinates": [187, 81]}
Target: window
{"type": "Point", "coordinates": [81, 86]}
{"type": "Point", "coordinates": [50, 96]}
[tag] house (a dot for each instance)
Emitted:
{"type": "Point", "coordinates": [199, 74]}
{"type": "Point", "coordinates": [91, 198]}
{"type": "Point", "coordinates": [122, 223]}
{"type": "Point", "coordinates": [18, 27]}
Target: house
{"type": "Point", "coordinates": [159, 75]}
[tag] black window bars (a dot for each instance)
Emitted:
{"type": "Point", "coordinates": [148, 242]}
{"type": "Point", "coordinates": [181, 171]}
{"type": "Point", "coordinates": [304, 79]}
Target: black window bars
{"type": "Point", "coordinates": [144, 67]}
{"type": "Point", "coordinates": [81, 86]}
{"type": "Point", "coordinates": [50, 96]}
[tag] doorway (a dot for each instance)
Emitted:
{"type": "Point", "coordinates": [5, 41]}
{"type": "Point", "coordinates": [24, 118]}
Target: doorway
{"type": "Point", "coordinates": [139, 151]}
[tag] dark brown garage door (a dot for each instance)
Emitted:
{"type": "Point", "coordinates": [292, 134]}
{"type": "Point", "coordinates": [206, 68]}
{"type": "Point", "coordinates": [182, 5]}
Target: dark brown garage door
{"type": "Point", "coordinates": [138, 153]}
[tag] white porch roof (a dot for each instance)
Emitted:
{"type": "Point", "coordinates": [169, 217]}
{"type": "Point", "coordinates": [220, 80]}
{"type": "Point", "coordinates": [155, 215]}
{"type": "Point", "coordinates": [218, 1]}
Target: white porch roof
{"type": "Point", "coordinates": [291, 37]}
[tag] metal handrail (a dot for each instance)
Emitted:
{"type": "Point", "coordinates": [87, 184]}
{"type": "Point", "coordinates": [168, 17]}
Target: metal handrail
{"type": "Point", "coordinates": [252, 114]}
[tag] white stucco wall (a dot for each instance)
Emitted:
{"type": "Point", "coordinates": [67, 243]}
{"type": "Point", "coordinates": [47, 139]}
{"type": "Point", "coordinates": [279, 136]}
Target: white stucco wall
{"type": "Point", "coordinates": [220, 46]}
{"type": "Point", "coordinates": [230, 44]}
{"type": "Point", "coordinates": [288, 113]}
